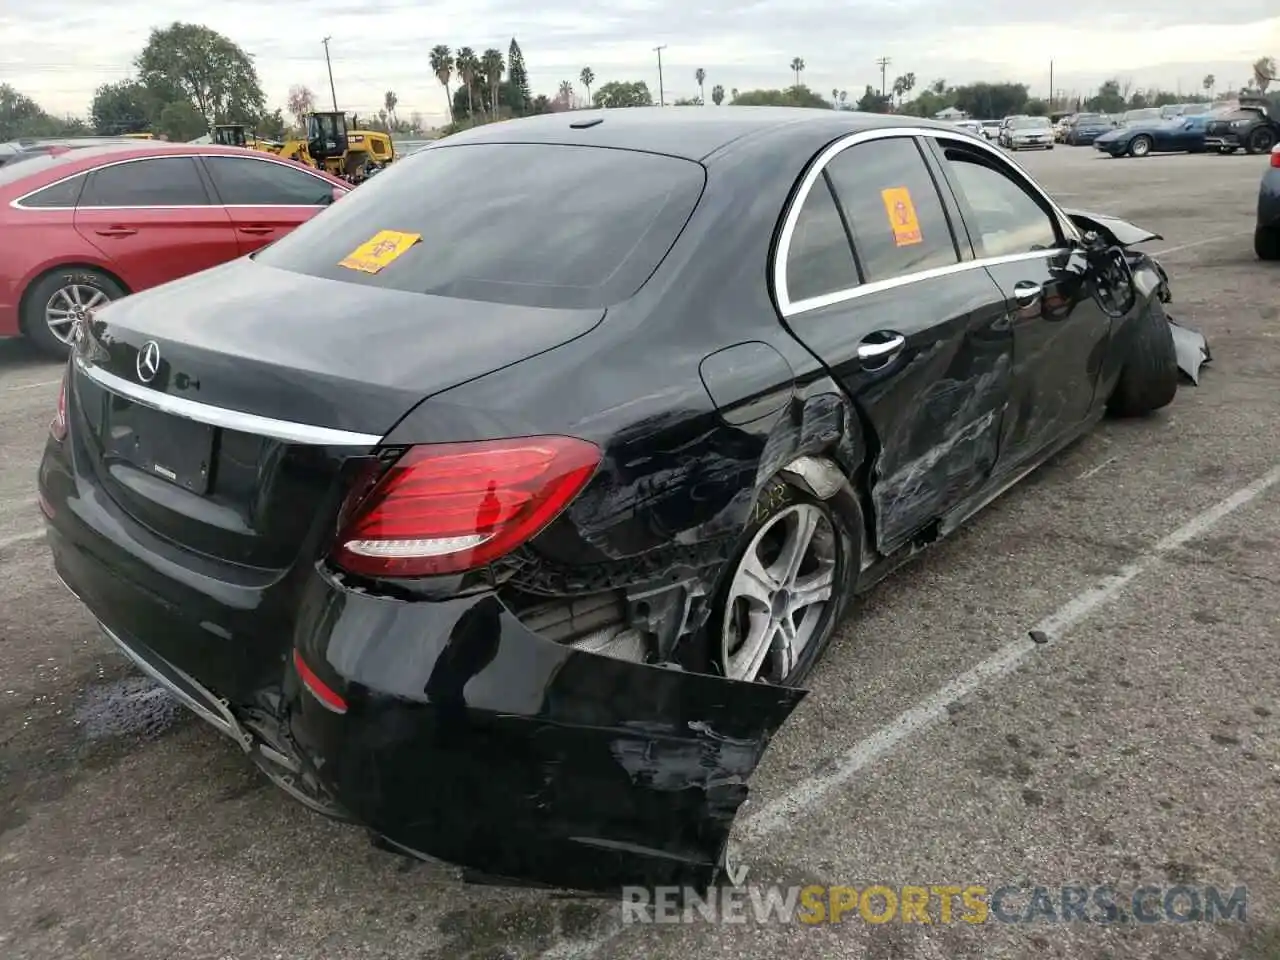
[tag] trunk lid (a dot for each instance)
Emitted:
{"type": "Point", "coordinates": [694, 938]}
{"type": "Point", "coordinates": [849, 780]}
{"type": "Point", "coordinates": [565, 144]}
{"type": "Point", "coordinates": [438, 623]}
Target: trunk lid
{"type": "Point", "coordinates": [227, 411]}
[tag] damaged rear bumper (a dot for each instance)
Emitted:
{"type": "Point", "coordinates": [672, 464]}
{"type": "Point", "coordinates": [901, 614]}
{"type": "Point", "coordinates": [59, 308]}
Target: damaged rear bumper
{"type": "Point", "coordinates": [463, 735]}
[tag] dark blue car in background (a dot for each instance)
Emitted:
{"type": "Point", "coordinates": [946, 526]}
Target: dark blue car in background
{"type": "Point", "coordinates": [1144, 137]}
{"type": "Point", "coordinates": [1086, 128]}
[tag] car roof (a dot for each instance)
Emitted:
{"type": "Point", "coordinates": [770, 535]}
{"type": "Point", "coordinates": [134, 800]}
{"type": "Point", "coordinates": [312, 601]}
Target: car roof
{"type": "Point", "coordinates": [693, 133]}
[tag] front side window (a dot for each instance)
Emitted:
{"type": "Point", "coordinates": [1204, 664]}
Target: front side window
{"type": "Point", "coordinates": [155, 182]}
{"type": "Point", "coordinates": [893, 210]}
{"type": "Point", "coordinates": [820, 259]}
{"type": "Point", "coordinates": [1004, 219]}
{"type": "Point", "coordinates": [249, 182]}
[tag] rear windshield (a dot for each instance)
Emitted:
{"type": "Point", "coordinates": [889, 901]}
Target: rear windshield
{"type": "Point", "coordinates": [536, 225]}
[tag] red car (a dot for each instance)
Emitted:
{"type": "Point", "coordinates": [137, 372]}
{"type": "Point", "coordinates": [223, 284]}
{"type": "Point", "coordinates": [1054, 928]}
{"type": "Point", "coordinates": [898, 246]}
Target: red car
{"type": "Point", "coordinates": [79, 228]}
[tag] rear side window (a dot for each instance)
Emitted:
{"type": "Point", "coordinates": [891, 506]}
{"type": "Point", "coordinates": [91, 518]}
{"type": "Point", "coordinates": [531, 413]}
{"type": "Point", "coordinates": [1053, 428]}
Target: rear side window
{"type": "Point", "coordinates": [63, 194]}
{"type": "Point", "coordinates": [245, 181]}
{"type": "Point", "coordinates": [819, 260]}
{"type": "Point", "coordinates": [537, 225]}
{"type": "Point", "coordinates": [893, 209]}
{"type": "Point", "coordinates": [155, 182]}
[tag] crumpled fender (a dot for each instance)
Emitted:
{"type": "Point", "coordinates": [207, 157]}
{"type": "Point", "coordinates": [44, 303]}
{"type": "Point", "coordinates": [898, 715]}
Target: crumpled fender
{"type": "Point", "coordinates": [1121, 232]}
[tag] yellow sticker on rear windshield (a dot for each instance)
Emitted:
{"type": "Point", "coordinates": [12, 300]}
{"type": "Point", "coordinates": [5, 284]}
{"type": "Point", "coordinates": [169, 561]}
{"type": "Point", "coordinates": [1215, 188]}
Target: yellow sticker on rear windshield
{"type": "Point", "coordinates": [902, 216]}
{"type": "Point", "coordinates": [375, 253]}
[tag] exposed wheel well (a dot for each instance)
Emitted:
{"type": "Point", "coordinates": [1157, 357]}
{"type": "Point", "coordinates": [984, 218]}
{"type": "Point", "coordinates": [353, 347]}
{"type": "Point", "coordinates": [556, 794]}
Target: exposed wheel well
{"type": "Point", "coordinates": [26, 294]}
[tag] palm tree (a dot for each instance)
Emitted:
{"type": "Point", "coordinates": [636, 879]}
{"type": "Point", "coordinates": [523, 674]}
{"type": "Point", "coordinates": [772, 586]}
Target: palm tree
{"type": "Point", "coordinates": [908, 82]}
{"type": "Point", "coordinates": [717, 94]}
{"type": "Point", "coordinates": [442, 67]}
{"type": "Point", "coordinates": [797, 67]}
{"type": "Point", "coordinates": [492, 66]}
{"type": "Point", "coordinates": [939, 86]}
{"type": "Point", "coordinates": [733, 94]}
{"type": "Point", "coordinates": [389, 101]}
{"type": "Point", "coordinates": [588, 77]}
{"type": "Point", "coordinates": [468, 68]}
{"type": "Point", "coordinates": [1208, 83]}
{"type": "Point", "coordinates": [1264, 71]}
{"type": "Point", "coordinates": [701, 76]}
{"type": "Point", "coordinates": [565, 93]}
{"type": "Point", "coordinates": [844, 95]}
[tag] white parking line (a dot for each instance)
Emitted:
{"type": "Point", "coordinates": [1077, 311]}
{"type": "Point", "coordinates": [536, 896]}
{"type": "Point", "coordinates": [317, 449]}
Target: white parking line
{"type": "Point", "coordinates": [28, 386]}
{"type": "Point", "coordinates": [6, 542]}
{"type": "Point", "coordinates": [1199, 243]}
{"type": "Point", "coordinates": [774, 816]}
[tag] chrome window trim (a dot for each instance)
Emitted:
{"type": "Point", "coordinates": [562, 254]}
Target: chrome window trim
{"type": "Point", "coordinates": [284, 430]}
{"type": "Point", "coordinates": [18, 205]}
{"type": "Point", "coordinates": [789, 308]}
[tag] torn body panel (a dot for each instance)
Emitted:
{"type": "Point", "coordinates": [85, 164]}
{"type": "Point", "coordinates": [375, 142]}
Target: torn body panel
{"type": "Point", "coordinates": [472, 739]}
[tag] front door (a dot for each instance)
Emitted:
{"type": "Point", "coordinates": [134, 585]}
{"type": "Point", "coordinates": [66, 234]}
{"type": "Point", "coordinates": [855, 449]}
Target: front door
{"type": "Point", "coordinates": [914, 331]}
{"type": "Point", "coordinates": [1059, 330]}
{"type": "Point", "coordinates": [153, 219]}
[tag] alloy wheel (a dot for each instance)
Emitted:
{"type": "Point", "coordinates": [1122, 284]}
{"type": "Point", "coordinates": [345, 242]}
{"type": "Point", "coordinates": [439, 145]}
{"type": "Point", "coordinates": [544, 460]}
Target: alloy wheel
{"type": "Point", "coordinates": [70, 305]}
{"type": "Point", "coordinates": [779, 594]}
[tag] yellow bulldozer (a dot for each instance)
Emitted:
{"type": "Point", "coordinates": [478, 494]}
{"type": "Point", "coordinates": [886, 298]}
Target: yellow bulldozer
{"type": "Point", "coordinates": [328, 145]}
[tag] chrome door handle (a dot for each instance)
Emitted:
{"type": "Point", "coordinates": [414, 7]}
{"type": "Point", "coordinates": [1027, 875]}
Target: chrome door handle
{"type": "Point", "coordinates": [1025, 293]}
{"type": "Point", "coordinates": [881, 350]}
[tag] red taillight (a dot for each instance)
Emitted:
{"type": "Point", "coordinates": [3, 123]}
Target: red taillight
{"type": "Point", "coordinates": [329, 697]}
{"type": "Point", "coordinates": [445, 508]}
{"type": "Point", "coordinates": [1275, 156]}
{"type": "Point", "coordinates": [58, 428]}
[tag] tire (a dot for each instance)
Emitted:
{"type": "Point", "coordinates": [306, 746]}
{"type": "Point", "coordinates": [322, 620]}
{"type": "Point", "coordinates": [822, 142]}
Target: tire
{"type": "Point", "coordinates": [738, 616]}
{"type": "Point", "coordinates": [1149, 378]}
{"type": "Point", "coordinates": [1226, 151]}
{"type": "Point", "coordinates": [1140, 146]}
{"type": "Point", "coordinates": [59, 289]}
{"type": "Point", "coordinates": [1266, 243]}
{"type": "Point", "coordinates": [1260, 141]}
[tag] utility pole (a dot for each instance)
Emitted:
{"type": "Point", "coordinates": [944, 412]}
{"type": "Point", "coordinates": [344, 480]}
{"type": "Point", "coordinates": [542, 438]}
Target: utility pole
{"type": "Point", "coordinates": [662, 100]}
{"type": "Point", "coordinates": [883, 64]}
{"type": "Point", "coordinates": [1051, 86]}
{"type": "Point", "coordinates": [328, 63]}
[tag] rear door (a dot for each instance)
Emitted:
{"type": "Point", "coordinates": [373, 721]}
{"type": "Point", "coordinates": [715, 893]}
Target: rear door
{"type": "Point", "coordinates": [265, 199]}
{"type": "Point", "coordinates": [154, 220]}
{"type": "Point", "coordinates": [1058, 328]}
{"type": "Point", "coordinates": [872, 280]}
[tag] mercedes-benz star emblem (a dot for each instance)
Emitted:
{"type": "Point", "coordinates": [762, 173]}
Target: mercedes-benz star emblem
{"type": "Point", "coordinates": [148, 361]}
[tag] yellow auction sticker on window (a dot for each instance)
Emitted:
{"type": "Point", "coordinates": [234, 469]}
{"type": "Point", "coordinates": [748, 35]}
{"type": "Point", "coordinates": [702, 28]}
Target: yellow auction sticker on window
{"type": "Point", "coordinates": [902, 216]}
{"type": "Point", "coordinates": [378, 251]}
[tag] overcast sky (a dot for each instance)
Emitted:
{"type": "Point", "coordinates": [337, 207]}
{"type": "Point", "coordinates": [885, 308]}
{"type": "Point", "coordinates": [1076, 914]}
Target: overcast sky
{"type": "Point", "coordinates": [58, 51]}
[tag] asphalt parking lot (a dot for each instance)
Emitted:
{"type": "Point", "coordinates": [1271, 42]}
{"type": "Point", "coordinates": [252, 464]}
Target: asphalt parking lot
{"type": "Point", "coordinates": [1139, 746]}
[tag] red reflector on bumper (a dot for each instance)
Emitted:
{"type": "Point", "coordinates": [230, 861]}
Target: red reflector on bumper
{"type": "Point", "coordinates": [328, 698]}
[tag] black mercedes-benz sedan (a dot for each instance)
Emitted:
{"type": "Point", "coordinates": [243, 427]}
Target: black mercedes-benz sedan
{"type": "Point", "coordinates": [504, 507]}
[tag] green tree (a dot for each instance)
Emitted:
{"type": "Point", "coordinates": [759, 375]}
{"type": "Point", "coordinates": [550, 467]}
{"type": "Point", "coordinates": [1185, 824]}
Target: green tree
{"type": "Point", "coordinates": [540, 104]}
{"type": "Point", "coordinates": [272, 125]}
{"type": "Point", "coordinates": [492, 67]}
{"type": "Point", "coordinates": [519, 95]}
{"type": "Point", "coordinates": [700, 76]}
{"type": "Point", "coordinates": [20, 116]}
{"type": "Point", "coordinates": [389, 101]}
{"type": "Point", "coordinates": [124, 107]}
{"type": "Point", "coordinates": [468, 65]}
{"type": "Point", "coordinates": [587, 78]}
{"type": "Point", "coordinates": [1036, 108]}
{"type": "Point", "coordinates": [797, 68]}
{"type": "Point", "coordinates": [180, 121]}
{"type": "Point", "coordinates": [872, 101]}
{"type": "Point", "coordinates": [1208, 83]}
{"type": "Point", "coordinates": [800, 96]}
{"type": "Point", "coordinates": [991, 99]}
{"type": "Point", "coordinates": [618, 93]}
{"type": "Point", "coordinates": [441, 61]}
{"type": "Point", "coordinates": [717, 94]}
{"type": "Point", "coordinates": [204, 68]}
{"type": "Point", "coordinates": [1108, 99]}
